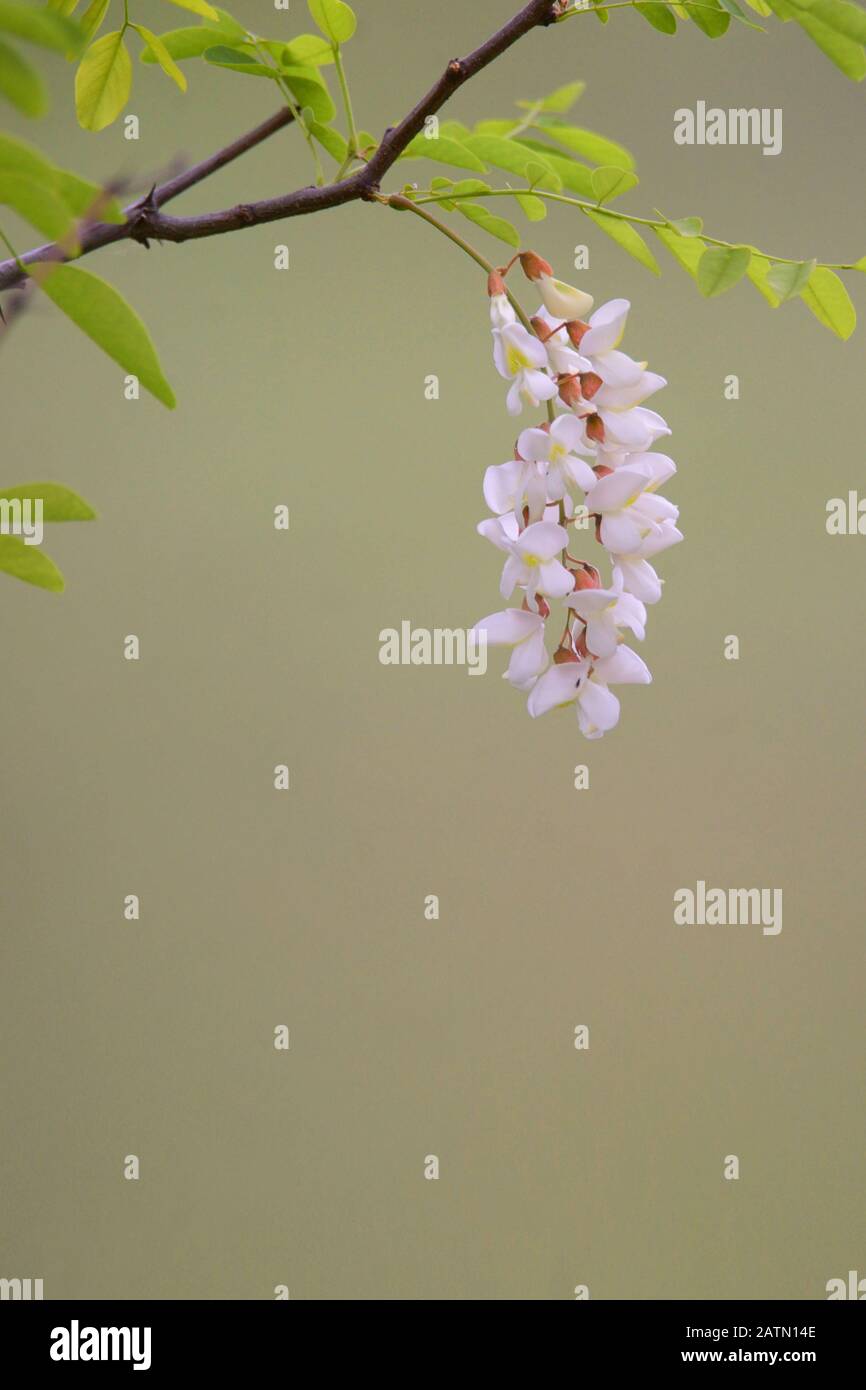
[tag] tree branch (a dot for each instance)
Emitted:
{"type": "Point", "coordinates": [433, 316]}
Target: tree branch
{"type": "Point", "coordinates": [145, 220]}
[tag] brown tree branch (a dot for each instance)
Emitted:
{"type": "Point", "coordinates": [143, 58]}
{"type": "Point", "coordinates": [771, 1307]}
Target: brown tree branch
{"type": "Point", "coordinates": [145, 220]}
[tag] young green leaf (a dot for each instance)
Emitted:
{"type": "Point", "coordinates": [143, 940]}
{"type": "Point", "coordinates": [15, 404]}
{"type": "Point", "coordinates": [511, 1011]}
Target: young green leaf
{"type": "Point", "coordinates": [308, 87]}
{"type": "Point", "coordinates": [758, 273]}
{"type": "Point", "coordinates": [454, 130]}
{"type": "Point", "coordinates": [687, 250]}
{"type": "Point", "coordinates": [514, 157]}
{"type": "Point", "coordinates": [558, 101]}
{"type": "Point", "coordinates": [846, 53]}
{"type": "Point", "coordinates": [309, 49]}
{"type": "Point", "coordinates": [236, 60]}
{"type": "Point", "coordinates": [828, 300]}
{"type": "Point", "coordinates": [42, 27]}
{"type": "Point", "coordinates": [576, 177]}
{"type": "Point", "coordinates": [162, 55]}
{"type": "Point", "coordinates": [496, 226]}
{"type": "Point", "coordinates": [29, 563]}
{"type": "Point", "coordinates": [597, 149]}
{"type": "Point", "coordinates": [661, 17]}
{"type": "Point", "coordinates": [531, 207]}
{"type": "Point", "coordinates": [736, 12]}
{"type": "Point", "coordinates": [860, 265]}
{"type": "Point", "coordinates": [37, 203]}
{"type": "Point", "coordinates": [91, 20]}
{"type": "Point", "coordinates": [789, 280]}
{"type": "Point", "coordinates": [609, 182]}
{"type": "Point", "coordinates": [710, 18]}
{"type": "Point", "coordinates": [198, 7]}
{"type": "Point", "coordinates": [104, 315]}
{"type": "Point", "coordinates": [335, 19]}
{"type": "Point", "coordinates": [86, 199]}
{"type": "Point", "coordinates": [688, 226]}
{"type": "Point", "coordinates": [444, 151]}
{"type": "Point", "coordinates": [720, 267]}
{"type": "Point", "coordinates": [21, 84]}
{"type": "Point", "coordinates": [59, 503]}
{"type": "Point", "coordinates": [330, 140]}
{"type": "Point", "coordinates": [192, 42]}
{"type": "Point", "coordinates": [626, 236]}
{"type": "Point", "coordinates": [103, 82]}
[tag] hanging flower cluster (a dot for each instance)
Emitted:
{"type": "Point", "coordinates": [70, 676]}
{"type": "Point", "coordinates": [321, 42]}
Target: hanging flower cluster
{"type": "Point", "coordinates": [589, 466]}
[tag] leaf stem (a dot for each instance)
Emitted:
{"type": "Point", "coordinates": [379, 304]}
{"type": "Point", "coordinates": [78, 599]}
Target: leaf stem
{"type": "Point", "coordinates": [347, 100]}
{"type": "Point", "coordinates": [584, 205]}
{"type": "Point", "coordinates": [294, 108]}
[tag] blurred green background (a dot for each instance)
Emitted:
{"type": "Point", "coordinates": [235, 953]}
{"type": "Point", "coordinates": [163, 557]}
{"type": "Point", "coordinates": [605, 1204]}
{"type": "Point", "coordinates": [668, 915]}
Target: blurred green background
{"type": "Point", "coordinates": [410, 1037]}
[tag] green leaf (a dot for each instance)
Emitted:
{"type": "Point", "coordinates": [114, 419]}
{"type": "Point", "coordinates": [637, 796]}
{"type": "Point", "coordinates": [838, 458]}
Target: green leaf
{"type": "Point", "coordinates": [42, 27]}
{"type": "Point", "coordinates": [626, 236]}
{"type": "Point", "coordinates": [444, 151]}
{"type": "Point", "coordinates": [496, 226]}
{"type": "Point", "coordinates": [454, 130]}
{"type": "Point", "coordinates": [576, 177]}
{"type": "Point", "coordinates": [687, 250]}
{"type": "Point", "coordinates": [91, 20]}
{"type": "Point", "coordinates": [308, 88]}
{"type": "Point", "coordinates": [335, 19]}
{"type": "Point", "coordinates": [502, 128]}
{"type": "Point", "coordinates": [597, 149]}
{"type": "Point", "coordinates": [513, 156]}
{"type": "Point", "coordinates": [847, 54]}
{"type": "Point", "coordinates": [80, 196]}
{"type": "Point", "coordinates": [103, 82]}
{"type": "Point", "coordinates": [558, 101]}
{"type": "Point", "coordinates": [106, 318]}
{"type": "Point", "coordinates": [532, 207]}
{"type": "Point", "coordinates": [330, 139]}
{"type": "Point", "coordinates": [828, 300]}
{"type": "Point", "coordinates": [21, 84]}
{"type": "Point", "coordinates": [17, 156]}
{"type": "Point", "coordinates": [309, 50]}
{"type": "Point", "coordinates": [232, 31]}
{"type": "Point", "coordinates": [162, 55]}
{"type": "Point", "coordinates": [860, 265]}
{"type": "Point", "coordinates": [846, 19]}
{"type": "Point", "coordinates": [720, 267]}
{"type": "Point", "coordinates": [87, 199]}
{"type": "Point", "coordinates": [59, 503]}
{"type": "Point", "coordinates": [710, 18]}
{"type": "Point", "coordinates": [238, 61]}
{"type": "Point", "coordinates": [29, 563]}
{"type": "Point", "coordinates": [38, 204]}
{"type": "Point", "coordinates": [192, 42]}
{"type": "Point", "coordinates": [758, 273]}
{"type": "Point", "coordinates": [661, 17]}
{"type": "Point", "coordinates": [789, 280]}
{"type": "Point", "coordinates": [688, 226]}
{"type": "Point", "coordinates": [736, 12]}
{"type": "Point", "coordinates": [198, 7]}
{"type": "Point", "coordinates": [609, 182]}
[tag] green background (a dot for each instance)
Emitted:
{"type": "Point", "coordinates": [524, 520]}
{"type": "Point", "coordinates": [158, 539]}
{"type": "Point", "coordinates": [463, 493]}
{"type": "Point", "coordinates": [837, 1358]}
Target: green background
{"type": "Point", "coordinates": [454, 1037]}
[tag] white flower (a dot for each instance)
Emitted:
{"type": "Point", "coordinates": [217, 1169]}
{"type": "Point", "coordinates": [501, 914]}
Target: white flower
{"type": "Point", "coordinates": [628, 511]}
{"type": "Point", "coordinates": [511, 486]}
{"type": "Point", "coordinates": [501, 312]}
{"type": "Point", "coordinates": [560, 353]}
{"type": "Point", "coordinates": [632, 430]}
{"type": "Point", "coordinates": [569, 683]}
{"type": "Point", "coordinates": [524, 633]}
{"type": "Point", "coordinates": [639, 577]}
{"type": "Point", "coordinates": [520, 357]}
{"type": "Point", "coordinates": [555, 447]}
{"type": "Point", "coordinates": [531, 562]}
{"type": "Point", "coordinates": [564, 301]}
{"type": "Point", "coordinates": [604, 612]}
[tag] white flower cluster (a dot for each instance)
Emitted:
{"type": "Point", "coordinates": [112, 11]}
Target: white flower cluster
{"type": "Point", "coordinates": [589, 466]}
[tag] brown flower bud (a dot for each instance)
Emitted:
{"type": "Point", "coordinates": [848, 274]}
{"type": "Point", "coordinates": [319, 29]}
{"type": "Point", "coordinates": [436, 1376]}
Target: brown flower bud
{"type": "Point", "coordinates": [587, 577]}
{"type": "Point", "coordinates": [495, 284]}
{"type": "Point", "coordinates": [569, 388]}
{"type": "Point", "coordinates": [576, 329]}
{"type": "Point", "coordinates": [564, 654]}
{"type": "Point", "coordinates": [595, 428]}
{"type": "Point", "coordinates": [534, 266]}
{"type": "Point", "coordinates": [590, 383]}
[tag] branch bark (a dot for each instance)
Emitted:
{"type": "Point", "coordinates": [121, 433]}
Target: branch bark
{"type": "Point", "coordinates": [145, 220]}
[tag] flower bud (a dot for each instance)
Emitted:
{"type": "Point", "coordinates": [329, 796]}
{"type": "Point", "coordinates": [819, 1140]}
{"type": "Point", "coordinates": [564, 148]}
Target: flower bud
{"type": "Point", "coordinates": [587, 577]}
{"type": "Point", "coordinates": [595, 428]}
{"type": "Point", "coordinates": [564, 654]}
{"type": "Point", "coordinates": [534, 266]}
{"type": "Point", "coordinates": [576, 330]}
{"type": "Point", "coordinates": [590, 383]}
{"type": "Point", "coordinates": [569, 389]}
